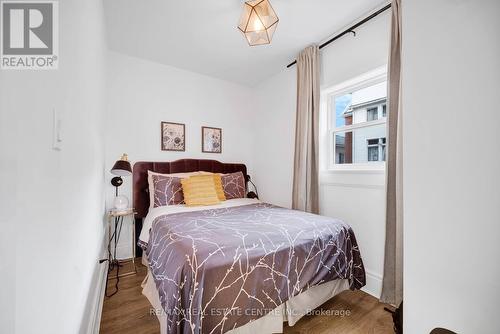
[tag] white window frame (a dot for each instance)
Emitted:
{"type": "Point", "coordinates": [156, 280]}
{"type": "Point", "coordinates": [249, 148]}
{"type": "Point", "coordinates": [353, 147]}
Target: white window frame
{"type": "Point", "coordinates": [365, 80]}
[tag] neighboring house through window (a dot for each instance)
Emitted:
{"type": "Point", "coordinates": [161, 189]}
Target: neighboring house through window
{"type": "Point", "coordinates": [357, 112]}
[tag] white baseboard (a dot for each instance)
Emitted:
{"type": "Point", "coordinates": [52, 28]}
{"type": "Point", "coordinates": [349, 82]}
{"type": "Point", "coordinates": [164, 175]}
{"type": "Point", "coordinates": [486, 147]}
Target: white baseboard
{"type": "Point", "coordinates": [95, 316]}
{"type": "Point", "coordinates": [92, 317]}
{"type": "Point", "coordinates": [373, 284]}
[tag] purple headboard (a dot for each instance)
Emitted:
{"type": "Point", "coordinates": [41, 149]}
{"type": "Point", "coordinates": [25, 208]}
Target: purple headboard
{"type": "Point", "coordinates": [140, 176]}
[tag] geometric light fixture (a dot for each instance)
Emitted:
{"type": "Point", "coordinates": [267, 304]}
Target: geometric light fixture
{"type": "Point", "coordinates": [258, 22]}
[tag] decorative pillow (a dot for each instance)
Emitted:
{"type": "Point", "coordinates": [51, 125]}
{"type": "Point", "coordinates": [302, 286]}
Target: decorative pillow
{"type": "Point", "coordinates": [218, 184]}
{"type": "Point", "coordinates": [199, 190]}
{"type": "Point", "coordinates": [151, 187]}
{"type": "Point", "coordinates": [167, 190]}
{"type": "Point", "coordinates": [234, 185]}
{"type": "Point", "coordinates": [218, 187]}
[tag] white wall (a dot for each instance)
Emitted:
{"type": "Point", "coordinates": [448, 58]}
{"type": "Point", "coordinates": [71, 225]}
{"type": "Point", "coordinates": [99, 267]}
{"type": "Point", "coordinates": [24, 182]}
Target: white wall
{"type": "Point", "coordinates": [345, 59]}
{"type": "Point", "coordinates": [54, 200]}
{"type": "Point", "coordinates": [275, 138]}
{"type": "Point", "coordinates": [8, 211]}
{"type": "Point", "coordinates": [451, 78]}
{"type": "Point", "coordinates": [143, 93]}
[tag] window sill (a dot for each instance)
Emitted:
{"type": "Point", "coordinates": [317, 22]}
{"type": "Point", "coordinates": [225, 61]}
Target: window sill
{"type": "Point", "coordinates": [353, 171]}
{"type": "Point", "coordinates": [353, 177]}
{"type": "Point", "coordinates": [380, 169]}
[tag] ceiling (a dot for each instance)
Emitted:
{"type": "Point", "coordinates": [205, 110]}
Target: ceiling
{"type": "Point", "coordinates": [201, 36]}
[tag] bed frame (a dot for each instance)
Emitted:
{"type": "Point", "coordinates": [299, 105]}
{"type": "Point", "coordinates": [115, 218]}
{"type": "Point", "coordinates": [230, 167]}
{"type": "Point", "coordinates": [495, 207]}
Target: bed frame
{"type": "Point", "coordinates": [140, 181]}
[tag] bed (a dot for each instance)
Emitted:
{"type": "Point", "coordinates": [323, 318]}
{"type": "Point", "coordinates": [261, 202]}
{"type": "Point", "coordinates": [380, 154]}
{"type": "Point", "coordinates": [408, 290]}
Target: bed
{"type": "Point", "coordinates": [241, 266]}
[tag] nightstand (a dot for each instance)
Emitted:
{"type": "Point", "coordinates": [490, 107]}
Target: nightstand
{"type": "Point", "coordinates": [116, 218]}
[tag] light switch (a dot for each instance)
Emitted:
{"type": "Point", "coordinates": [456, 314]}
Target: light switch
{"type": "Point", "coordinates": [57, 131]}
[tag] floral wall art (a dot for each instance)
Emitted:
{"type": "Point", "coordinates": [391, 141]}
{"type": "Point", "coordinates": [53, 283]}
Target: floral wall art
{"type": "Point", "coordinates": [211, 140]}
{"type": "Point", "coordinates": [173, 136]}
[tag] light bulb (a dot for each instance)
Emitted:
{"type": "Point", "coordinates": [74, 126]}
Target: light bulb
{"type": "Point", "coordinates": [120, 202]}
{"type": "Point", "coordinates": [257, 25]}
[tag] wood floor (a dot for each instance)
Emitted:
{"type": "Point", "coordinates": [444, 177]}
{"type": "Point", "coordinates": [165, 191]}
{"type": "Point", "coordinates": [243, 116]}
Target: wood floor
{"type": "Point", "coordinates": [128, 312]}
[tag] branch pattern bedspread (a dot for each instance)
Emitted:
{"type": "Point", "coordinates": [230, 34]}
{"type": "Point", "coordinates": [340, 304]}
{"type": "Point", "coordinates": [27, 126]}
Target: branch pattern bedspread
{"type": "Point", "coordinates": [218, 269]}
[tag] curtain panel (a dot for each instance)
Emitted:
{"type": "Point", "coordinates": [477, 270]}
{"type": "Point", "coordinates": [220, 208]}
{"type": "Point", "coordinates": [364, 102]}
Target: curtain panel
{"type": "Point", "coordinates": [306, 161]}
{"type": "Point", "coordinates": [392, 284]}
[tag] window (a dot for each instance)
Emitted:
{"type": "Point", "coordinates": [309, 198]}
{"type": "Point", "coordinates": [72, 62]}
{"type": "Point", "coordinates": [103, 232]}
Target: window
{"type": "Point", "coordinates": [382, 148]}
{"type": "Point", "coordinates": [357, 112]}
{"type": "Point", "coordinates": [372, 114]}
{"type": "Point", "coordinates": [376, 149]}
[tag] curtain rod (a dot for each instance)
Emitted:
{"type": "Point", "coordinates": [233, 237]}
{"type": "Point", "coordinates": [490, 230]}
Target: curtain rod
{"type": "Point", "coordinates": [349, 30]}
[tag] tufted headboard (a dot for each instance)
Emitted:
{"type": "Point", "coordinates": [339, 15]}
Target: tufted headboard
{"type": "Point", "coordinates": [140, 176]}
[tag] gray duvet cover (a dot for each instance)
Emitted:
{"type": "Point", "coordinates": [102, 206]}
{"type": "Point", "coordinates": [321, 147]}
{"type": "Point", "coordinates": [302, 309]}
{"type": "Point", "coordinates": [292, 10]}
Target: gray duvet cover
{"type": "Point", "coordinates": [218, 269]}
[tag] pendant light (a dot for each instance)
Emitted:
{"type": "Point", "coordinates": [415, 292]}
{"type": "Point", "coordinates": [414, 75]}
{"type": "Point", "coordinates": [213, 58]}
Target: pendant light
{"type": "Point", "coordinates": [258, 22]}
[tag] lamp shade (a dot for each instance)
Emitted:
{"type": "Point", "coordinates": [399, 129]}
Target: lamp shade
{"type": "Point", "coordinates": [122, 167]}
{"type": "Point", "coordinates": [258, 22]}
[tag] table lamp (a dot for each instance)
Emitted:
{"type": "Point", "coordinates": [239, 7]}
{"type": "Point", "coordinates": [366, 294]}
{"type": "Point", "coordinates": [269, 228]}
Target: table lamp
{"type": "Point", "coordinates": [120, 168]}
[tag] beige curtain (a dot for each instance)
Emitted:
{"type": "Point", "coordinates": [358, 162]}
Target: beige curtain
{"type": "Point", "coordinates": [392, 287]}
{"type": "Point", "coordinates": [305, 172]}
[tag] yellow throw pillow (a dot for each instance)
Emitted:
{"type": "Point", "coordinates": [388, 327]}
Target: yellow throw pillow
{"type": "Point", "coordinates": [199, 190]}
{"type": "Point", "coordinates": [218, 187]}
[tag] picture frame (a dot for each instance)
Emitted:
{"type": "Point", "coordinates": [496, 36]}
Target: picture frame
{"type": "Point", "coordinates": [173, 136]}
{"type": "Point", "coordinates": [211, 139]}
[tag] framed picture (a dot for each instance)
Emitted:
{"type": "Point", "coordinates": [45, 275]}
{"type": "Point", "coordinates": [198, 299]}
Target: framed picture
{"type": "Point", "coordinates": [173, 137]}
{"type": "Point", "coordinates": [211, 140]}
